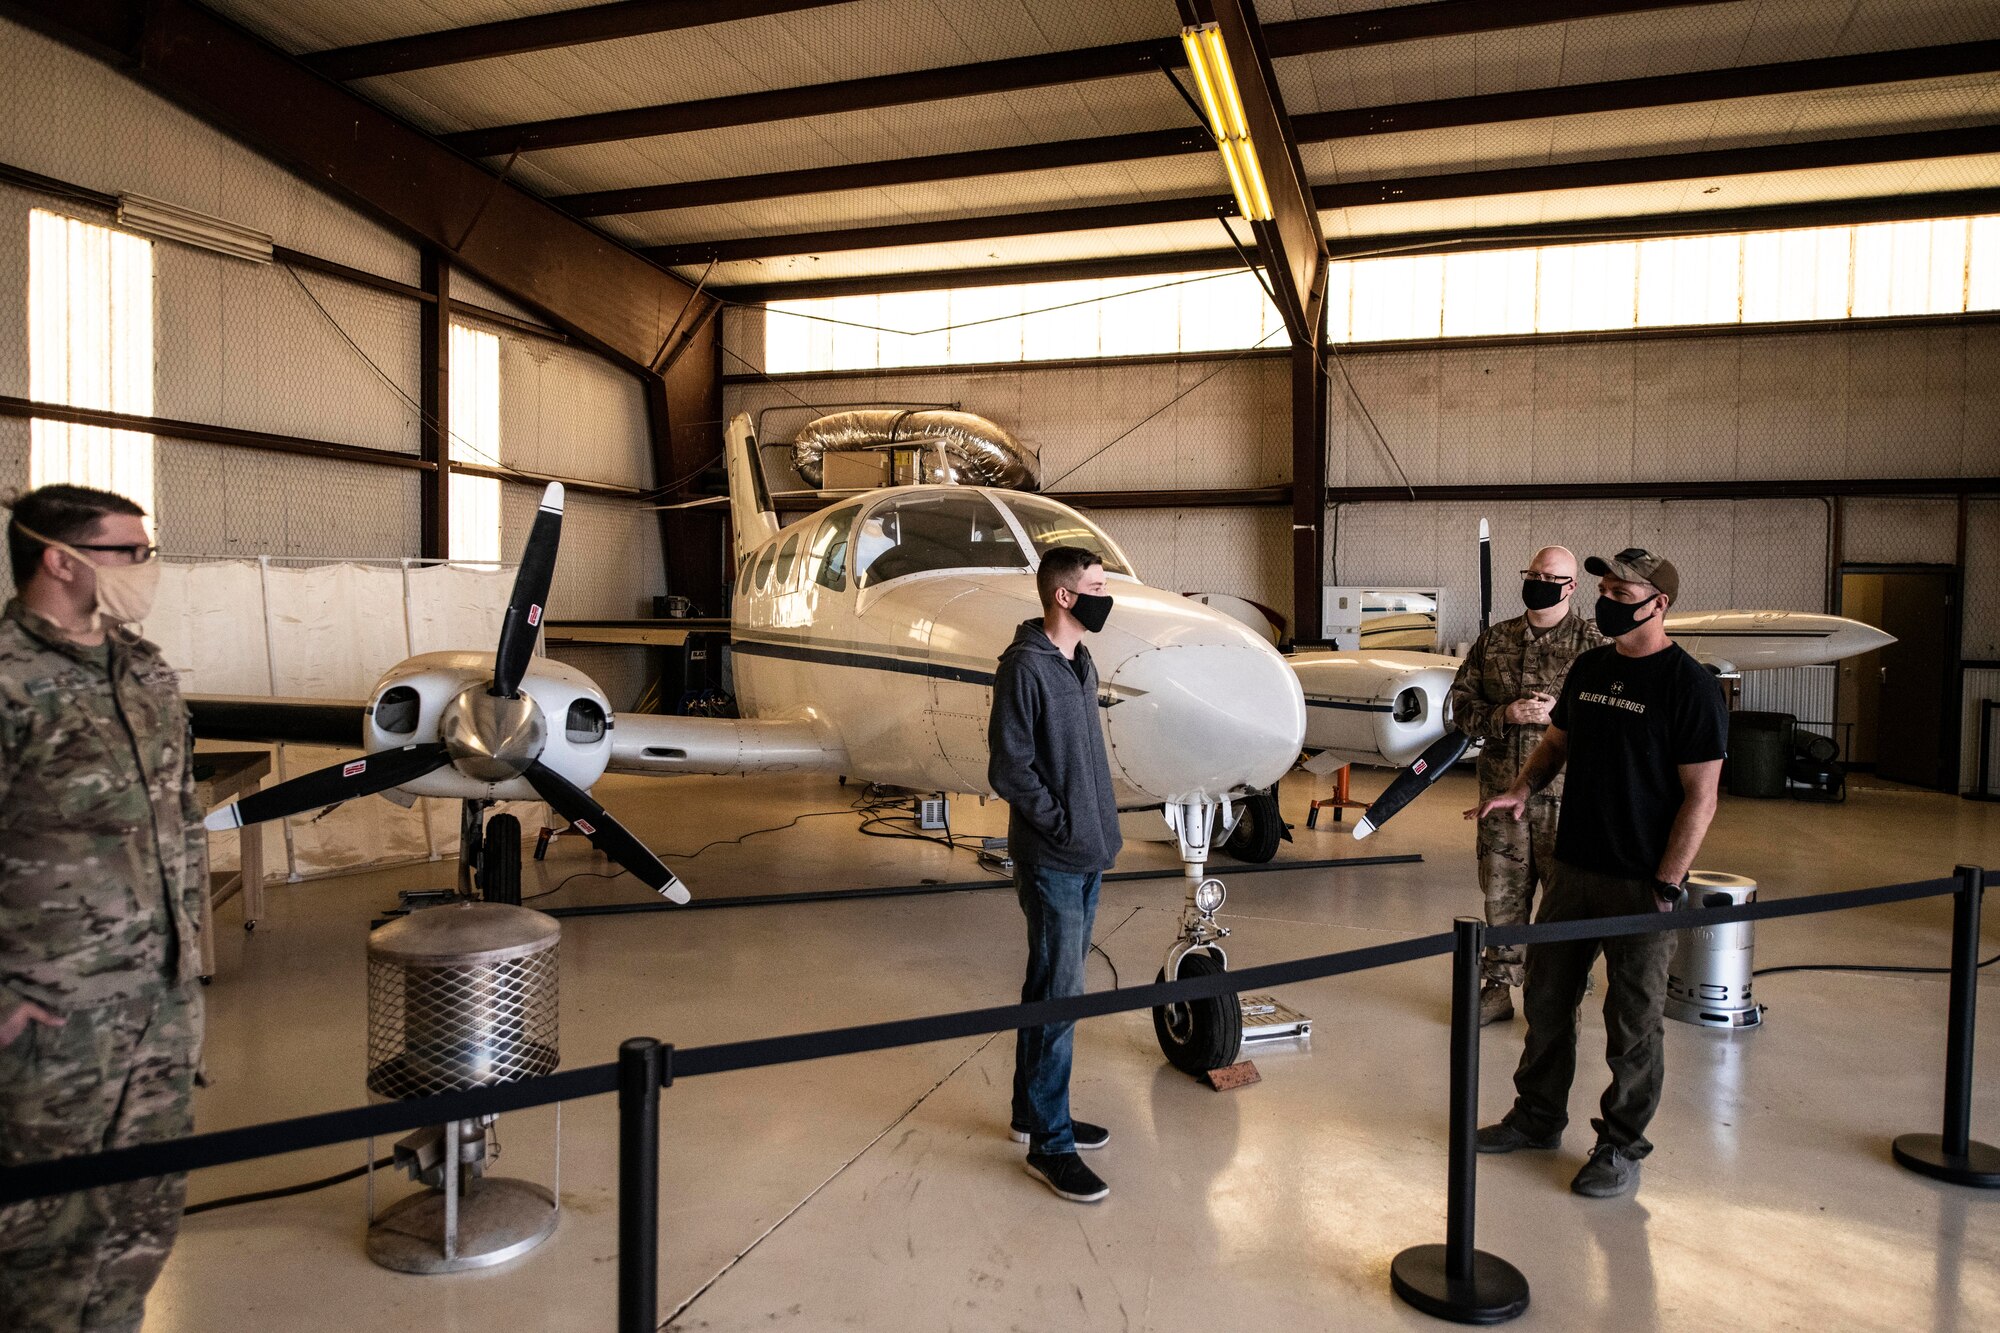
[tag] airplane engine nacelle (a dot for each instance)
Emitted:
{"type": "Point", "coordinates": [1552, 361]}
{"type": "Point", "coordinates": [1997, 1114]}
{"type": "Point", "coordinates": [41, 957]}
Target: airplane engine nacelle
{"type": "Point", "coordinates": [1383, 707]}
{"type": "Point", "coordinates": [420, 698]}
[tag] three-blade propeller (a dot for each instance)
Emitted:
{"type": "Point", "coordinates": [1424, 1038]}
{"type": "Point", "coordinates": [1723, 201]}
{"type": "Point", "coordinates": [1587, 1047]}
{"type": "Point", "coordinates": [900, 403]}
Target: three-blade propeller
{"type": "Point", "coordinates": [384, 769]}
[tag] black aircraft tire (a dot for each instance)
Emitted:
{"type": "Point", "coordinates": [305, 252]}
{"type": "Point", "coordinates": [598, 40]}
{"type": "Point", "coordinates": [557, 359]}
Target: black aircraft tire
{"type": "Point", "coordinates": [1255, 839]}
{"type": "Point", "coordinates": [500, 875]}
{"type": "Point", "coordinates": [1202, 1035]}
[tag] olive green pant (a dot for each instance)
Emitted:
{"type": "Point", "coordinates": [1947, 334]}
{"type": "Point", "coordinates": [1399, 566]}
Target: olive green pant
{"type": "Point", "coordinates": [1634, 1002]}
{"type": "Point", "coordinates": [112, 1076]}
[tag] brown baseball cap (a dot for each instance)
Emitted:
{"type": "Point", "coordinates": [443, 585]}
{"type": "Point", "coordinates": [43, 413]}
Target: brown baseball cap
{"type": "Point", "coordinates": [1635, 564]}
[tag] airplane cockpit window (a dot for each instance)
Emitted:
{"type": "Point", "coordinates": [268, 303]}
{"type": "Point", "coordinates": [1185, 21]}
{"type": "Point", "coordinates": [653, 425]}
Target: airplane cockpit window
{"type": "Point", "coordinates": [932, 532]}
{"type": "Point", "coordinates": [787, 554]}
{"type": "Point", "coordinates": [1049, 525]}
{"type": "Point", "coordinates": [829, 549]}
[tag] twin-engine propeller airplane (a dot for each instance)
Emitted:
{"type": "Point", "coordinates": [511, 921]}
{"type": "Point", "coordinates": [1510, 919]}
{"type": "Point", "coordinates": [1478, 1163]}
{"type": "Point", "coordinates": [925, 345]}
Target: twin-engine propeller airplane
{"type": "Point", "coordinates": [865, 641]}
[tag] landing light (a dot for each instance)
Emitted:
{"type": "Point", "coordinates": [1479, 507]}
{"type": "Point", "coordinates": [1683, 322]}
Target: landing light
{"type": "Point", "coordinates": [1208, 896]}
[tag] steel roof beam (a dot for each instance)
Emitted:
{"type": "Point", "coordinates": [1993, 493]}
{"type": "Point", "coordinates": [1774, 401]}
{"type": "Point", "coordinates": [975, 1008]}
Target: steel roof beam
{"type": "Point", "coordinates": [1442, 18]}
{"type": "Point", "coordinates": [540, 32]}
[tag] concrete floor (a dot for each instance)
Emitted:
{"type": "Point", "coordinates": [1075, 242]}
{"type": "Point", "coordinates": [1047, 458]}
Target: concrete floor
{"type": "Point", "coordinates": [881, 1191]}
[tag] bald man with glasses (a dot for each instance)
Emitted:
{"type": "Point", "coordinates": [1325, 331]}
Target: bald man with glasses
{"type": "Point", "coordinates": [1504, 691]}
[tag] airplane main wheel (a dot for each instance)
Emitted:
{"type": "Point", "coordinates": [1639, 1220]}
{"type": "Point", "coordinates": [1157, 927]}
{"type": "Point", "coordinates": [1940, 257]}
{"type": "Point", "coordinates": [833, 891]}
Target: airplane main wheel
{"type": "Point", "coordinates": [500, 867]}
{"type": "Point", "coordinates": [1255, 838]}
{"type": "Point", "coordinates": [1203, 1034]}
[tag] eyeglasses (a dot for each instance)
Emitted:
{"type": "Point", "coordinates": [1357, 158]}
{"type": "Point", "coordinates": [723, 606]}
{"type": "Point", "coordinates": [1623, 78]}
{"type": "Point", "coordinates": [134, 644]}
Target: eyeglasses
{"type": "Point", "coordinates": [1534, 577]}
{"type": "Point", "coordinates": [136, 554]}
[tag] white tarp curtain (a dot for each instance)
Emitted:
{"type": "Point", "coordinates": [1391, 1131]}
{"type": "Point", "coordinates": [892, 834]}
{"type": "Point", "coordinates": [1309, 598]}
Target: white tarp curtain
{"type": "Point", "coordinates": [327, 631]}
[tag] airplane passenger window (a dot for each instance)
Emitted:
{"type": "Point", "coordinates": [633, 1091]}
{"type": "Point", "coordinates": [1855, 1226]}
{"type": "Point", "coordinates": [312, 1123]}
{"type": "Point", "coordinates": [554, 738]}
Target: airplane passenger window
{"type": "Point", "coordinates": [743, 578]}
{"type": "Point", "coordinates": [829, 549]}
{"type": "Point", "coordinates": [761, 580]}
{"type": "Point", "coordinates": [787, 554]}
{"type": "Point", "coordinates": [1049, 524]}
{"type": "Point", "coordinates": [931, 532]}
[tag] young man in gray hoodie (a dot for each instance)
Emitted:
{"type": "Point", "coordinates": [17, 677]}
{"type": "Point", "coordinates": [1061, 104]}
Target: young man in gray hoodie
{"type": "Point", "coordinates": [1047, 761]}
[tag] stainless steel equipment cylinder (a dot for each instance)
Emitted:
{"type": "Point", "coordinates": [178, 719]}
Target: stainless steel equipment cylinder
{"type": "Point", "coordinates": [1708, 982]}
{"type": "Point", "coordinates": [462, 997]}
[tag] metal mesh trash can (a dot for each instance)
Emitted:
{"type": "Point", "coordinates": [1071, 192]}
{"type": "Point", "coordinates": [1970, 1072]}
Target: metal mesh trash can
{"type": "Point", "coordinates": [462, 996]}
{"type": "Point", "coordinates": [1708, 982]}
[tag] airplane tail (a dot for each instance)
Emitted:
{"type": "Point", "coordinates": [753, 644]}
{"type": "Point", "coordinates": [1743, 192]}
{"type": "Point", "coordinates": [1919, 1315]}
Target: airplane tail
{"type": "Point", "coordinates": [751, 512]}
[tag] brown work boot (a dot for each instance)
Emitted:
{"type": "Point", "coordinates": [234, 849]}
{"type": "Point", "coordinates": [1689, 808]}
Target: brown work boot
{"type": "Point", "coordinates": [1496, 1003]}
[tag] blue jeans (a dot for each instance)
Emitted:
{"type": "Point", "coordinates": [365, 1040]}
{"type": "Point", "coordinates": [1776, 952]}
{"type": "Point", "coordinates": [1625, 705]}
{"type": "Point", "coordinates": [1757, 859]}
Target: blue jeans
{"type": "Point", "coordinates": [1061, 909]}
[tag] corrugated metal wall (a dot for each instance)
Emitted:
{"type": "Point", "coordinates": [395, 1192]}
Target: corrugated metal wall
{"type": "Point", "coordinates": [261, 347]}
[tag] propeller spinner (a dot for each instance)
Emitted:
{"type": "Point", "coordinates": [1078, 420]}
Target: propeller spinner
{"type": "Point", "coordinates": [490, 731]}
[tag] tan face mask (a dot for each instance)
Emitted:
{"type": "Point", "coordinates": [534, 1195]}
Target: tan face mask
{"type": "Point", "coordinates": [125, 593]}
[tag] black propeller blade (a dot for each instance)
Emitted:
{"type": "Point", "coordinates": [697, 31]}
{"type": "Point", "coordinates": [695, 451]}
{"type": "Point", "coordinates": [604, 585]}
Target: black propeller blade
{"type": "Point", "coordinates": [530, 595]}
{"type": "Point", "coordinates": [330, 786]}
{"type": "Point", "coordinates": [1413, 781]}
{"type": "Point", "coordinates": [605, 833]}
{"type": "Point", "coordinates": [1485, 576]}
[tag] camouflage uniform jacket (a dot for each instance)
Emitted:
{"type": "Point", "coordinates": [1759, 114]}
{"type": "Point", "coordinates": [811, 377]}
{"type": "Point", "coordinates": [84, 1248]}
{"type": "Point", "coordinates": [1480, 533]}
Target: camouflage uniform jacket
{"type": "Point", "coordinates": [1506, 663]}
{"type": "Point", "coordinates": [101, 839]}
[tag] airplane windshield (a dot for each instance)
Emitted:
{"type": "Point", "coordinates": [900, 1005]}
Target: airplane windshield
{"type": "Point", "coordinates": [931, 532]}
{"type": "Point", "coordinates": [1050, 525]}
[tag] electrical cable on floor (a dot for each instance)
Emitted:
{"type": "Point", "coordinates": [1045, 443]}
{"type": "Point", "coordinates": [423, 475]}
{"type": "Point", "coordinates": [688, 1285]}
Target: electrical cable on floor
{"type": "Point", "coordinates": [1861, 967]}
{"type": "Point", "coordinates": [286, 1191]}
{"type": "Point", "coordinates": [1098, 949]}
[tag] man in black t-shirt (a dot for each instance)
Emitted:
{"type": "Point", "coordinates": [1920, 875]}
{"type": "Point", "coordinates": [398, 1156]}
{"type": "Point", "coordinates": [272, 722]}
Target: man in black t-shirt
{"type": "Point", "coordinates": [1641, 727]}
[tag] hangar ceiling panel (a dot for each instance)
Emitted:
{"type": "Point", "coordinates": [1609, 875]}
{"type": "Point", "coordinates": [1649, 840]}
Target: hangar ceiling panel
{"type": "Point", "coordinates": [994, 120]}
{"type": "Point", "coordinates": [1025, 192]}
{"type": "Point", "coordinates": [1885, 109]}
{"type": "Point", "coordinates": [858, 40]}
{"type": "Point", "coordinates": [1666, 198]}
{"type": "Point", "coordinates": [1195, 237]}
{"type": "Point", "coordinates": [315, 25]}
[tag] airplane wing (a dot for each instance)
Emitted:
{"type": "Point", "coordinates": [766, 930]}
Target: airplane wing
{"type": "Point", "coordinates": [231, 717]}
{"type": "Point", "coordinates": [653, 744]}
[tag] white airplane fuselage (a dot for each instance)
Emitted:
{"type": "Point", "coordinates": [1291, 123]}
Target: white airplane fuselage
{"type": "Point", "coordinates": [898, 674]}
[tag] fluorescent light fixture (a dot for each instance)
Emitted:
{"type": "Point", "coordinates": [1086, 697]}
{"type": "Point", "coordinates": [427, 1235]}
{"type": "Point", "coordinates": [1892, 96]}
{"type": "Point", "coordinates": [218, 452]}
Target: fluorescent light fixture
{"type": "Point", "coordinates": [1223, 105]}
{"type": "Point", "coordinates": [171, 222]}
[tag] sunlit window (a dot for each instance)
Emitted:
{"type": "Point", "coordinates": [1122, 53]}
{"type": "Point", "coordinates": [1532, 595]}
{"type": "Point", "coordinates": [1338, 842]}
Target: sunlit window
{"type": "Point", "coordinates": [475, 438]}
{"type": "Point", "coordinates": [1044, 321]}
{"type": "Point", "coordinates": [1940, 266]}
{"type": "Point", "coordinates": [90, 344]}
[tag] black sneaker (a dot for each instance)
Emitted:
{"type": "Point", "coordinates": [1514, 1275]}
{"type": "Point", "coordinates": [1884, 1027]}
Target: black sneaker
{"type": "Point", "coordinates": [1065, 1173]}
{"type": "Point", "coordinates": [1089, 1137]}
{"type": "Point", "coordinates": [1608, 1173]}
{"type": "Point", "coordinates": [1507, 1137]}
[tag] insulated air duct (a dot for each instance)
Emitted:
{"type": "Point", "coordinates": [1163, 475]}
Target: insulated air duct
{"type": "Point", "coordinates": [977, 451]}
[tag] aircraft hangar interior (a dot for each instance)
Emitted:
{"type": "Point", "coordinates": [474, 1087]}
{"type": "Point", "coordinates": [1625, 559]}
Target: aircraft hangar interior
{"type": "Point", "coordinates": [910, 664]}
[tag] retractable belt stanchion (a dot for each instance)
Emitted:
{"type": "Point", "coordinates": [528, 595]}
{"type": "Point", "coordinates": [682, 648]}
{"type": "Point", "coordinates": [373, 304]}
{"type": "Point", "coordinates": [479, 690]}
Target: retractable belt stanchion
{"type": "Point", "coordinates": [1454, 1280]}
{"type": "Point", "coordinates": [644, 1066]}
{"type": "Point", "coordinates": [1953, 1155]}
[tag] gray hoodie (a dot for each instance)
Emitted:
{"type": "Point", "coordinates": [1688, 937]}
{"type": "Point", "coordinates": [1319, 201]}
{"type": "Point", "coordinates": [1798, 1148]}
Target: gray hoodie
{"type": "Point", "coordinates": [1047, 758]}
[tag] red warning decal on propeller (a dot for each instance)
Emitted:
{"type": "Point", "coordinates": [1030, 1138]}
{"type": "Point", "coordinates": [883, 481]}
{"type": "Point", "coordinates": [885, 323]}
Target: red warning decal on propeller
{"type": "Point", "coordinates": [583, 827]}
{"type": "Point", "coordinates": [534, 615]}
{"type": "Point", "coordinates": [355, 769]}
{"type": "Point", "coordinates": [1419, 767]}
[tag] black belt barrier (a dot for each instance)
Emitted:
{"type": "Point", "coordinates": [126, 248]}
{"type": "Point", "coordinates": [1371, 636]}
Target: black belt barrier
{"type": "Point", "coordinates": [1452, 1281]}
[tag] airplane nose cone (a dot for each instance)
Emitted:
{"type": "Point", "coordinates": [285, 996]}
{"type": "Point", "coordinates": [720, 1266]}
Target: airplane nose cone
{"type": "Point", "coordinates": [1200, 720]}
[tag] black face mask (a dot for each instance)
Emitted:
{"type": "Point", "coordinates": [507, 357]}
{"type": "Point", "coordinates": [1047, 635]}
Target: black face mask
{"type": "Point", "coordinates": [1617, 619]}
{"type": "Point", "coordinates": [1540, 595]}
{"type": "Point", "coordinates": [1091, 610]}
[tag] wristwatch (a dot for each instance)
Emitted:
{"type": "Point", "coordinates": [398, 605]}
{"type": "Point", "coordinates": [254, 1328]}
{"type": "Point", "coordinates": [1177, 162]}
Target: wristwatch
{"type": "Point", "coordinates": [1669, 892]}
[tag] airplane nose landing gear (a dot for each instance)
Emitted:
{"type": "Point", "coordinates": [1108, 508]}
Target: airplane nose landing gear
{"type": "Point", "coordinates": [1202, 1034]}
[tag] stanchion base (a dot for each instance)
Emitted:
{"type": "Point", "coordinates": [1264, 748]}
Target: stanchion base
{"type": "Point", "coordinates": [1496, 1293]}
{"type": "Point", "coordinates": [1925, 1154]}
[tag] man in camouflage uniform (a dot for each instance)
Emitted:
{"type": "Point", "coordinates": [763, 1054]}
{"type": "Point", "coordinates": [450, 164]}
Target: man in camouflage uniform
{"type": "Point", "coordinates": [102, 859]}
{"type": "Point", "coordinates": [1504, 691]}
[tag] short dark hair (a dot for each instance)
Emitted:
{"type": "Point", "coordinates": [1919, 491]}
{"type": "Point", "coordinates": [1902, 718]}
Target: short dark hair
{"type": "Point", "coordinates": [1061, 566]}
{"type": "Point", "coordinates": [59, 512]}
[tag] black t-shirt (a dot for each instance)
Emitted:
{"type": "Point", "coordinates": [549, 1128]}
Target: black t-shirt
{"type": "Point", "coordinates": [1631, 722]}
